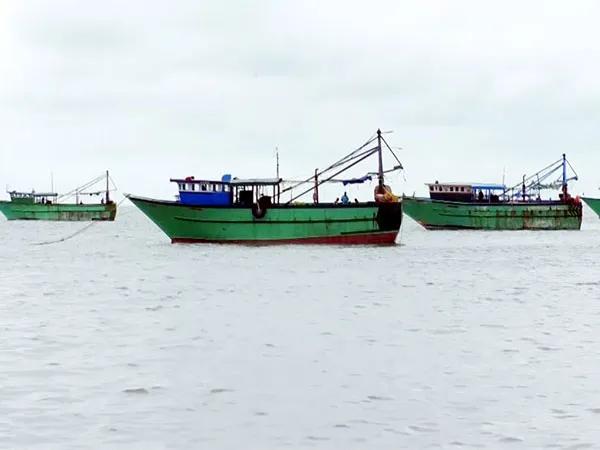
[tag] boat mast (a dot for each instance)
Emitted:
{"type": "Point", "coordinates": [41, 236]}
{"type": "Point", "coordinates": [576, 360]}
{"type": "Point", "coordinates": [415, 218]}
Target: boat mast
{"type": "Point", "coordinates": [380, 155]}
{"type": "Point", "coordinates": [564, 175]}
{"type": "Point", "coordinates": [316, 193]}
{"type": "Point", "coordinates": [107, 188]}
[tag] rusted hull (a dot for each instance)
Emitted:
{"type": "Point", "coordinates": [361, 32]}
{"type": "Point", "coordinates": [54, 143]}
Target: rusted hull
{"type": "Point", "coordinates": [59, 212]}
{"type": "Point", "coordinates": [434, 215]}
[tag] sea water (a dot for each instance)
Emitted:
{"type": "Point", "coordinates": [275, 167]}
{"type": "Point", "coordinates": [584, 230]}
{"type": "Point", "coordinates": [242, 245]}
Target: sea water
{"type": "Point", "coordinates": [118, 339]}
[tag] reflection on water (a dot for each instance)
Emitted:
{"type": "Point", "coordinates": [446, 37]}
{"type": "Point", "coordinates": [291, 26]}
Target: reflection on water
{"type": "Point", "coordinates": [454, 339]}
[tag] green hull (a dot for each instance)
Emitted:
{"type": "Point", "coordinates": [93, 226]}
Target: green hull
{"type": "Point", "coordinates": [593, 203]}
{"type": "Point", "coordinates": [435, 214]}
{"type": "Point", "coordinates": [58, 211]}
{"type": "Point", "coordinates": [364, 223]}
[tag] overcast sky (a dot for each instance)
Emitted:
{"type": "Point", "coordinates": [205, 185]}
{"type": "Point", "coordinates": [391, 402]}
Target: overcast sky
{"type": "Point", "coordinates": [153, 90]}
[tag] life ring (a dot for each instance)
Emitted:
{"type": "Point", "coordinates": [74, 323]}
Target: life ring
{"type": "Point", "coordinates": [259, 209]}
{"type": "Point", "coordinates": [258, 212]}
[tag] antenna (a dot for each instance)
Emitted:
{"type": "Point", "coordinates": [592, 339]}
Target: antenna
{"type": "Point", "coordinates": [277, 159]}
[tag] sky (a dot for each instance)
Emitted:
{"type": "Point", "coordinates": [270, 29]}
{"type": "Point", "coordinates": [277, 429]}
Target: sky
{"type": "Point", "coordinates": [154, 89]}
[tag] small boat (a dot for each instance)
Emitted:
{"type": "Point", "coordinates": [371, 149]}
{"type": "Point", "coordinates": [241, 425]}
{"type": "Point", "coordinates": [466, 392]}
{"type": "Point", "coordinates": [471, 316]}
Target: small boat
{"type": "Point", "coordinates": [593, 203]}
{"type": "Point", "coordinates": [232, 210]}
{"type": "Point", "coordinates": [489, 206]}
{"type": "Point", "coordinates": [51, 206]}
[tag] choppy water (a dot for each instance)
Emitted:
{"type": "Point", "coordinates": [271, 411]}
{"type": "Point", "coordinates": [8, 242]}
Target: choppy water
{"type": "Point", "coordinates": [118, 339]}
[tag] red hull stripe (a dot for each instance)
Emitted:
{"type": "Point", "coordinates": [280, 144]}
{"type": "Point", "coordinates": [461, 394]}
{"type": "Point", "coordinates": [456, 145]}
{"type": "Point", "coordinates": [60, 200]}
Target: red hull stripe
{"type": "Point", "coordinates": [382, 238]}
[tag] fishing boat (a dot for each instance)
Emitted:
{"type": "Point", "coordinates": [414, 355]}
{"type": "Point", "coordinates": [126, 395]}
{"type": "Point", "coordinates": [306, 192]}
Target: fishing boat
{"type": "Point", "coordinates": [233, 210]}
{"type": "Point", "coordinates": [593, 203]}
{"type": "Point", "coordinates": [488, 206]}
{"type": "Point", "coordinates": [52, 206]}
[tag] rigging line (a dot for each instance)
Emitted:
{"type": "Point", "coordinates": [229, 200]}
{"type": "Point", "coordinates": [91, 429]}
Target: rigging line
{"type": "Point", "coordinates": [373, 151]}
{"type": "Point", "coordinates": [82, 187]}
{"type": "Point", "coordinates": [340, 161]}
{"type": "Point", "coordinates": [518, 185]}
{"type": "Point", "coordinates": [336, 164]}
{"type": "Point", "coordinates": [569, 163]}
{"type": "Point", "coordinates": [86, 185]}
{"type": "Point", "coordinates": [311, 179]}
{"type": "Point", "coordinates": [113, 183]}
{"type": "Point", "coordinates": [392, 151]}
{"type": "Point", "coordinates": [353, 154]}
{"type": "Point", "coordinates": [345, 160]}
{"type": "Point", "coordinates": [546, 176]}
{"type": "Point", "coordinates": [78, 232]}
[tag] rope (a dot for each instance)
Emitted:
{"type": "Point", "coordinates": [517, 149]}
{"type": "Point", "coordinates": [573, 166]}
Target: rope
{"type": "Point", "coordinates": [78, 232]}
{"type": "Point", "coordinates": [344, 160]}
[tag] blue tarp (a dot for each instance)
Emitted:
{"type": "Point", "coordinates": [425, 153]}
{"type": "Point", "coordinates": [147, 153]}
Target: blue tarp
{"type": "Point", "coordinates": [357, 180]}
{"type": "Point", "coordinates": [491, 187]}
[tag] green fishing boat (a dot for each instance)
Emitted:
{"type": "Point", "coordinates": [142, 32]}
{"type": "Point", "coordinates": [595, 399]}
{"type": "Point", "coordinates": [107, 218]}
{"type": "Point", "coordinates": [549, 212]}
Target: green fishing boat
{"type": "Point", "coordinates": [593, 203]}
{"type": "Point", "coordinates": [51, 206]}
{"type": "Point", "coordinates": [233, 210]}
{"type": "Point", "coordinates": [479, 206]}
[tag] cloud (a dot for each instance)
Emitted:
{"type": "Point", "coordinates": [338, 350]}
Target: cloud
{"type": "Point", "coordinates": [156, 89]}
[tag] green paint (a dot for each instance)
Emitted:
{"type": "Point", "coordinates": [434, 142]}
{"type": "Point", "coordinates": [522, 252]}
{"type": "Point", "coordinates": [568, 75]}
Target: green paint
{"type": "Point", "coordinates": [20, 209]}
{"type": "Point", "coordinates": [593, 203]}
{"type": "Point", "coordinates": [434, 214]}
{"type": "Point", "coordinates": [281, 222]}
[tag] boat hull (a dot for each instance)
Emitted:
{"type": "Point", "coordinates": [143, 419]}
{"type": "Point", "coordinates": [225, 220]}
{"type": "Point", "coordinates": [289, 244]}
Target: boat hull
{"type": "Point", "coordinates": [593, 203]}
{"type": "Point", "coordinates": [363, 223]}
{"type": "Point", "coordinates": [434, 214]}
{"type": "Point", "coordinates": [58, 211]}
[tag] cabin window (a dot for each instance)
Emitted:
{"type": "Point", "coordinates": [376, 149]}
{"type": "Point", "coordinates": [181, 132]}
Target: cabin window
{"type": "Point", "coordinates": [431, 188]}
{"type": "Point", "coordinates": [462, 189]}
{"type": "Point", "coordinates": [451, 189]}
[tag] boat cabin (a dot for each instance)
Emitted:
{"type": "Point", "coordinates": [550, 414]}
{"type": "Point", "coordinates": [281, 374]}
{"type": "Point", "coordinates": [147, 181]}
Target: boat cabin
{"type": "Point", "coordinates": [466, 192]}
{"type": "Point", "coordinates": [29, 198]}
{"type": "Point", "coordinates": [204, 192]}
{"type": "Point", "coordinates": [228, 191]}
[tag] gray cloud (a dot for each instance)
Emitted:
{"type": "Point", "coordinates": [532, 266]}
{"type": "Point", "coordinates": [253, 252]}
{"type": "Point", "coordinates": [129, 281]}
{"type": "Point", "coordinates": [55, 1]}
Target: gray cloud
{"type": "Point", "coordinates": [153, 90]}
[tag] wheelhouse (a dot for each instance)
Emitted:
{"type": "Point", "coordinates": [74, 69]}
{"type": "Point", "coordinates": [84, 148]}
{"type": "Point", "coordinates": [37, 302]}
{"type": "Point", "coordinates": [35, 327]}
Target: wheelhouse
{"type": "Point", "coordinates": [247, 192]}
{"type": "Point", "coordinates": [204, 192]}
{"type": "Point", "coordinates": [33, 197]}
{"type": "Point", "coordinates": [466, 192]}
{"type": "Point", "coordinates": [228, 191]}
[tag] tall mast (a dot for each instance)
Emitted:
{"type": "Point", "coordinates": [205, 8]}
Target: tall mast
{"type": "Point", "coordinates": [277, 157]}
{"type": "Point", "coordinates": [107, 188]}
{"type": "Point", "coordinates": [316, 193]}
{"type": "Point", "coordinates": [380, 172]}
{"type": "Point", "coordinates": [564, 174]}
